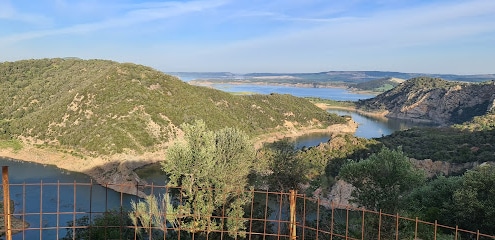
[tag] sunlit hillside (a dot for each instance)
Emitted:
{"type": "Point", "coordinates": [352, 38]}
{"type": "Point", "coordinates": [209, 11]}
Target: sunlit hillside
{"type": "Point", "coordinates": [106, 107]}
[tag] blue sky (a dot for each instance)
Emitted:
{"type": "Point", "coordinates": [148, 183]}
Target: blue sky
{"type": "Point", "coordinates": [436, 36]}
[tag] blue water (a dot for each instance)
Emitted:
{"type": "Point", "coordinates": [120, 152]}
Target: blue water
{"type": "Point", "coordinates": [338, 94]}
{"type": "Point", "coordinates": [368, 127]}
{"type": "Point", "coordinates": [34, 189]}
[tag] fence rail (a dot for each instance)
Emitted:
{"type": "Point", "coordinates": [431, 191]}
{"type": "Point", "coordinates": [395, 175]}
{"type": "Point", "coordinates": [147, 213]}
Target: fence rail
{"type": "Point", "coordinates": [90, 211]}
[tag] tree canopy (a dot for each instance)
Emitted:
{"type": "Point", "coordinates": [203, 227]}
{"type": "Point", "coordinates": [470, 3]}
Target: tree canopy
{"type": "Point", "coordinates": [474, 200]}
{"type": "Point", "coordinates": [382, 179]}
{"type": "Point", "coordinates": [211, 170]}
{"type": "Point", "coordinates": [287, 169]}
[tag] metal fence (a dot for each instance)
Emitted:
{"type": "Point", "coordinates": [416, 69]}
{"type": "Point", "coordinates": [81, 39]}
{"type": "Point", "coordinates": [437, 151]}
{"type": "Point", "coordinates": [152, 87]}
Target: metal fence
{"type": "Point", "coordinates": [91, 211]}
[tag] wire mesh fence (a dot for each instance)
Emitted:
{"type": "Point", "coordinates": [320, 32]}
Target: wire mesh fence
{"type": "Point", "coordinates": [88, 211]}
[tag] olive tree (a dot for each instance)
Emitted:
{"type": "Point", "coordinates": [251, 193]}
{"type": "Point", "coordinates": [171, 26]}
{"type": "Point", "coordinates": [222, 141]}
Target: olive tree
{"type": "Point", "coordinates": [474, 200]}
{"type": "Point", "coordinates": [211, 170]}
{"type": "Point", "coordinates": [381, 182]}
{"type": "Point", "coordinates": [152, 215]}
{"type": "Point", "coordinates": [287, 170]}
{"type": "Point", "coordinates": [434, 200]}
{"type": "Point", "coordinates": [382, 179]}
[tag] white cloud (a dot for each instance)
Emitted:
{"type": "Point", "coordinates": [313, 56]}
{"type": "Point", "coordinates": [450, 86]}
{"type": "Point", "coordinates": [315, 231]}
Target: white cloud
{"type": "Point", "coordinates": [419, 26]}
{"type": "Point", "coordinates": [358, 42]}
{"type": "Point", "coordinates": [280, 35]}
{"type": "Point", "coordinates": [8, 12]}
{"type": "Point", "coordinates": [135, 14]}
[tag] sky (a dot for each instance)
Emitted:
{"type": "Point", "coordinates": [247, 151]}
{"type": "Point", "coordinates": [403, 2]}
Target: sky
{"type": "Point", "coordinates": [242, 36]}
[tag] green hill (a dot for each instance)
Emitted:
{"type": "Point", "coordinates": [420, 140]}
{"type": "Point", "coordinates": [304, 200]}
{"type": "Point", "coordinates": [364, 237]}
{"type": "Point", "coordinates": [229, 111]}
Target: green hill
{"type": "Point", "coordinates": [466, 111]}
{"type": "Point", "coordinates": [105, 107]}
{"type": "Point", "coordinates": [378, 85]}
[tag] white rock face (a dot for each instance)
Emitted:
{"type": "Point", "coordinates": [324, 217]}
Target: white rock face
{"type": "Point", "coordinates": [441, 102]}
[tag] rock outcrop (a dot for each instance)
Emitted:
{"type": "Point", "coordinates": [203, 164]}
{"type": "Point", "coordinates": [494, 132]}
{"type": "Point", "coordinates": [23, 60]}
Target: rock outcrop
{"type": "Point", "coordinates": [436, 168]}
{"type": "Point", "coordinates": [340, 193]}
{"type": "Point", "coordinates": [16, 223]}
{"type": "Point", "coordinates": [434, 100]}
{"type": "Point", "coordinates": [338, 197]}
{"type": "Point", "coordinates": [120, 177]}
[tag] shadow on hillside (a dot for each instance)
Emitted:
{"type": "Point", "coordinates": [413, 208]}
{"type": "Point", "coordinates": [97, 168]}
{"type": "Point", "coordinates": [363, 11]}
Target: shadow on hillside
{"type": "Point", "coordinates": [121, 175]}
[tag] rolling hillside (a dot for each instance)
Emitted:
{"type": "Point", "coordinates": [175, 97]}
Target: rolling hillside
{"type": "Point", "coordinates": [435, 100]}
{"type": "Point", "coordinates": [104, 107]}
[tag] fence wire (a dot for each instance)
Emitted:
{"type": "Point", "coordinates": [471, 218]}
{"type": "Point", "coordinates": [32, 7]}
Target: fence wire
{"type": "Point", "coordinates": [90, 211]}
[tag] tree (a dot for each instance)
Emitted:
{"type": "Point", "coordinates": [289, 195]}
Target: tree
{"type": "Point", "coordinates": [153, 214]}
{"type": "Point", "coordinates": [286, 169]}
{"type": "Point", "coordinates": [211, 169]}
{"type": "Point", "coordinates": [112, 224]}
{"type": "Point", "coordinates": [434, 200]}
{"type": "Point", "coordinates": [382, 180]}
{"type": "Point", "coordinates": [474, 200]}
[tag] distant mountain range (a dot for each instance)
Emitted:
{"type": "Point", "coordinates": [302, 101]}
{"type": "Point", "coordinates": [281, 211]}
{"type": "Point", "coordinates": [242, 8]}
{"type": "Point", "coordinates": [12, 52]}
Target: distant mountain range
{"type": "Point", "coordinates": [322, 77]}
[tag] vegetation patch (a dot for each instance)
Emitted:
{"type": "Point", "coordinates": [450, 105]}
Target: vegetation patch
{"type": "Point", "coordinates": [15, 145]}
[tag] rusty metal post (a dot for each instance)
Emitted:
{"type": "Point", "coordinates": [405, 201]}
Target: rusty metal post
{"type": "Point", "coordinates": [416, 230]}
{"type": "Point", "coordinates": [379, 224]}
{"type": "Point", "coordinates": [435, 231]}
{"type": "Point", "coordinates": [362, 226]}
{"type": "Point", "coordinates": [6, 202]}
{"type": "Point", "coordinates": [331, 223]}
{"type": "Point", "coordinates": [292, 229]}
{"type": "Point", "coordinates": [456, 231]}
{"type": "Point", "coordinates": [397, 226]}
{"type": "Point", "coordinates": [347, 223]}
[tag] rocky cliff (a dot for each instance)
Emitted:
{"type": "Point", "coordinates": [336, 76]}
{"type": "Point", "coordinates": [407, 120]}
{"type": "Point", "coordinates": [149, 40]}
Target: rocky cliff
{"type": "Point", "coordinates": [437, 168]}
{"type": "Point", "coordinates": [434, 100]}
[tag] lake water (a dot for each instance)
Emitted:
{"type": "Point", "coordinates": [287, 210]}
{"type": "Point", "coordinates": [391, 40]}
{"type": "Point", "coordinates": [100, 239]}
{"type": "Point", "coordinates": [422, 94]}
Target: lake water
{"type": "Point", "coordinates": [368, 127]}
{"type": "Point", "coordinates": [339, 94]}
{"type": "Point", "coordinates": [26, 178]}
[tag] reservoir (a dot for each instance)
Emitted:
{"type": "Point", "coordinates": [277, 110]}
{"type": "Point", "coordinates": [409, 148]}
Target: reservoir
{"type": "Point", "coordinates": [368, 127]}
{"type": "Point", "coordinates": [47, 189]}
{"type": "Point", "coordinates": [338, 94]}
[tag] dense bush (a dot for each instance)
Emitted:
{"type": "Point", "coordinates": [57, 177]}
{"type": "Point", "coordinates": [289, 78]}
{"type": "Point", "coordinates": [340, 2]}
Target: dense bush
{"type": "Point", "coordinates": [444, 144]}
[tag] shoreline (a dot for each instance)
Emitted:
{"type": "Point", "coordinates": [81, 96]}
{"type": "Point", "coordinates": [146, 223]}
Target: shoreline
{"type": "Point", "coordinates": [117, 172]}
{"type": "Point", "coordinates": [208, 83]}
{"type": "Point", "coordinates": [349, 127]}
{"type": "Point", "coordinates": [381, 115]}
